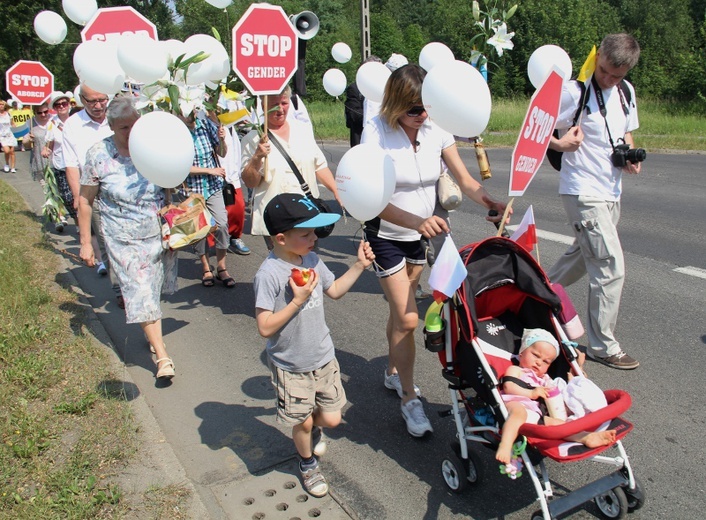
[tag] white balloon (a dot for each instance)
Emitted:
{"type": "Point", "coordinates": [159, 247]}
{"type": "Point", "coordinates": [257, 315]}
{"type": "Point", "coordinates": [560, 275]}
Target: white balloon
{"type": "Point", "coordinates": [161, 148]}
{"type": "Point", "coordinates": [212, 68]}
{"type": "Point", "coordinates": [142, 58]}
{"type": "Point", "coordinates": [542, 60]}
{"type": "Point", "coordinates": [457, 98]}
{"type": "Point", "coordinates": [85, 54]}
{"type": "Point", "coordinates": [98, 67]}
{"type": "Point", "coordinates": [341, 52]}
{"type": "Point", "coordinates": [174, 49]}
{"type": "Point", "coordinates": [435, 53]}
{"type": "Point", "coordinates": [220, 4]}
{"type": "Point", "coordinates": [79, 11]}
{"type": "Point", "coordinates": [50, 27]}
{"type": "Point", "coordinates": [366, 180]}
{"type": "Point", "coordinates": [77, 96]}
{"type": "Point", "coordinates": [371, 79]}
{"type": "Point", "coordinates": [334, 82]}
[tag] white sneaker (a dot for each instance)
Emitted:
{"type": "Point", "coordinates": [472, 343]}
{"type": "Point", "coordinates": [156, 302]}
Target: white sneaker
{"type": "Point", "coordinates": [102, 269]}
{"type": "Point", "coordinates": [6, 169]}
{"type": "Point", "coordinates": [13, 170]}
{"type": "Point", "coordinates": [417, 423]}
{"type": "Point", "coordinates": [393, 382]}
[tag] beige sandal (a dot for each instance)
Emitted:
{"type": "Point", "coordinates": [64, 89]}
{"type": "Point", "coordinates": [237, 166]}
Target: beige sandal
{"type": "Point", "coordinates": [166, 371]}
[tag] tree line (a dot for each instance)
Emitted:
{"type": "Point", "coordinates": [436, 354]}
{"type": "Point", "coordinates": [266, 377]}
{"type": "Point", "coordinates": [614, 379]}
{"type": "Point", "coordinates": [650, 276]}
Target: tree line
{"type": "Point", "coordinates": [672, 36]}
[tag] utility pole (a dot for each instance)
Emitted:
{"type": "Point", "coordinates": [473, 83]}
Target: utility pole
{"type": "Point", "coordinates": [364, 30]}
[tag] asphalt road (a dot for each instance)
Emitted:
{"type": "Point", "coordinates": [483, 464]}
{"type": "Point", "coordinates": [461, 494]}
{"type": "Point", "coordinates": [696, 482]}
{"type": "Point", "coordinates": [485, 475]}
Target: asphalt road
{"type": "Point", "coordinates": [218, 412]}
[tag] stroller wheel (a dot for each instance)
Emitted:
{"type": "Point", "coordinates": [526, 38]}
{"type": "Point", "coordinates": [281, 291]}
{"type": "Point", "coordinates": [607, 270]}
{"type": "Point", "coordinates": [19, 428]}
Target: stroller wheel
{"type": "Point", "coordinates": [538, 515]}
{"type": "Point", "coordinates": [454, 472]}
{"type": "Point", "coordinates": [613, 504]}
{"type": "Point", "coordinates": [473, 465]}
{"type": "Point", "coordinates": [636, 497]}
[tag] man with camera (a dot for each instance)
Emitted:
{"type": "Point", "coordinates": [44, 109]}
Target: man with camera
{"type": "Point", "coordinates": [597, 148]}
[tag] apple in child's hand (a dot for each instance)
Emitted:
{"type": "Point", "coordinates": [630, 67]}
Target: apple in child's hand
{"type": "Point", "coordinates": [301, 276]}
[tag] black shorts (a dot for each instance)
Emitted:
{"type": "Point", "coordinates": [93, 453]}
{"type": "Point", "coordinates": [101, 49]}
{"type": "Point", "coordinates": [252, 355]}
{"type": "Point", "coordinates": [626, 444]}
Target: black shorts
{"type": "Point", "coordinates": [391, 256]}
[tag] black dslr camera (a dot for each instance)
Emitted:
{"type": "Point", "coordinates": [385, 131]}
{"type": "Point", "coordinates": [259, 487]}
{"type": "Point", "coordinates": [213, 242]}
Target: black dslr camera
{"type": "Point", "coordinates": [622, 153]}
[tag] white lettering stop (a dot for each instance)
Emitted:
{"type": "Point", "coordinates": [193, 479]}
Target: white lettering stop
{"type": "Point", "coordinates": [26, 80]}
{"type": "Point", "coordinates": [263, 44]}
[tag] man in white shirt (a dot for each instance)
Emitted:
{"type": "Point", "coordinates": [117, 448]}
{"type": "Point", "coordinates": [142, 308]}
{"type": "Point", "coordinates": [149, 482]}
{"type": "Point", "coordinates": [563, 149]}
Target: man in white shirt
{"type": "Point", "coordinates": [590, 186]}
{"type": "Point", "coordinates": [81, 131]}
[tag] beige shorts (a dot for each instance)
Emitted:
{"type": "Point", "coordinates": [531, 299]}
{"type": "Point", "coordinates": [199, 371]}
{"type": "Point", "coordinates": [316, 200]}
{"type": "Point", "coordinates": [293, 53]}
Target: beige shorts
{"type": "Point", "coordinates": [298, 394]}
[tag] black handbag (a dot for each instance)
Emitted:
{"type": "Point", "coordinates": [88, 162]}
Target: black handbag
{"type": "Point", "coordinates": [228, 194]}
{"type": "Point", "coordinates": [321, 232]}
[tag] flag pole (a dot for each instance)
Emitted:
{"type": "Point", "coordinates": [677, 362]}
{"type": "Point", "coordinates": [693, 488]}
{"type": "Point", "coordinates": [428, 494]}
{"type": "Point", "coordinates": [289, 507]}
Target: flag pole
{"type": "Point", "coordinates": [265, 125]}
{"type": "Point", "coordinates": [501, 227]}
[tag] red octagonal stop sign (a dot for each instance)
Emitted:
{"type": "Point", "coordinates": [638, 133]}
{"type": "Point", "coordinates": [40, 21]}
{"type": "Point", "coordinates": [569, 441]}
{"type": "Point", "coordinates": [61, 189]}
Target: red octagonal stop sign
{"type": "Point", "coordinates": [264, 49]}
{"type": "Point", "coordinates": [29, 82]}
{"type": "Point", "coordinates": [110, 23]}
{"type": "Point", "coordinates": [536, 132]}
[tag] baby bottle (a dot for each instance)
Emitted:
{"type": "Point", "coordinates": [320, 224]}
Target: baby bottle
{"type": "Point", "coordinates": [434, 328]}
{"type": "Point", "coordinates": [555, 403]}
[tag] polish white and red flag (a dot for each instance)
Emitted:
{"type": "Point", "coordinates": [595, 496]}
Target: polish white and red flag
{"type": "Point", "coordinates": [526, 232]}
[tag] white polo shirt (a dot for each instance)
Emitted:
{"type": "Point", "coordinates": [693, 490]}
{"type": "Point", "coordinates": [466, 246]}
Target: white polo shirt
{"type": "Point", "coordinates": [416, 173]}
{"type": "Point", "coordinates": [80, 133]}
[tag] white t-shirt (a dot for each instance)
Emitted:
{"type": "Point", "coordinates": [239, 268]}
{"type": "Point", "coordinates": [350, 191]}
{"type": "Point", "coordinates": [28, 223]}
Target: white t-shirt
{"type": "Point", "coordinates": [279, 178]}
{"type": "Point", "coordinates": [80, 133]}
{"type": "Point", "coordinates": [416, 173]}
{"type": "Point", "coordinates": [231, 162]}
{"type": "Point", "coordinates": [589, 171]}
{"type": "Point", "coordinates": [56, 133]}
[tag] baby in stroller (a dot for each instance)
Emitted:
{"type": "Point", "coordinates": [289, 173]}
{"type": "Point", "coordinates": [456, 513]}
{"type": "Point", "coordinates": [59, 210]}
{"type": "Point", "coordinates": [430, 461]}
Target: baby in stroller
{"type": "Point", "coordinates": [537, 351]}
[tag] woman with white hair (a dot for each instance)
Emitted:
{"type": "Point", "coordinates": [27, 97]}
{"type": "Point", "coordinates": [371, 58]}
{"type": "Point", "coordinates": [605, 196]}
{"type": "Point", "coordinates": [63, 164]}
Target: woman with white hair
{"type": "Point", "coordinates": [129, 204]}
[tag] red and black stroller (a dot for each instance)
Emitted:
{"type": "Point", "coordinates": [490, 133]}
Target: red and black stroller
{"type": "Point", "coordinates": [505, 292]}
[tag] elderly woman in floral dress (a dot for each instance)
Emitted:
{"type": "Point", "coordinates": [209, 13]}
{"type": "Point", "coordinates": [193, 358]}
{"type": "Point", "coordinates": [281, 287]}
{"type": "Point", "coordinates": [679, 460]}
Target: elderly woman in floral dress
{"type": "Point", "coordinates": [129, 204]}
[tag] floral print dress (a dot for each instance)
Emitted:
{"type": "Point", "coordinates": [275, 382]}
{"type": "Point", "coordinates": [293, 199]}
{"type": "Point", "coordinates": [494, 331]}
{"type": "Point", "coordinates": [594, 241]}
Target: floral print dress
{"type": "Point", "coordinates": [129, 204]}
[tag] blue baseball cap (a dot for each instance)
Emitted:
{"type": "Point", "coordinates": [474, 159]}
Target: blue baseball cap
{"type": "Point", "coordinates": [293, 210]}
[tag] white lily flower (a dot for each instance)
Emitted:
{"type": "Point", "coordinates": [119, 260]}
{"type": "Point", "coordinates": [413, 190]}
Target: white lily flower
{"type": "Point", "coordinates": [190, 98]}
{"type": "Point", "coordinates": [501, 40]}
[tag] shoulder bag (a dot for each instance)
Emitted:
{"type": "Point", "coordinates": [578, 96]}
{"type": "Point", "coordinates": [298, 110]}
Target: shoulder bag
{"type": "Point", "coordinates": [321, 232]}
{"type": "Point", "coordinates": [448, 192]}
{"type": "Point", "coordinates": [186, 223]}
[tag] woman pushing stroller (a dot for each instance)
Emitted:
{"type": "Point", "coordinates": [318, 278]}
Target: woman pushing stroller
{"type": "Point", "coordinates": [539, 348]}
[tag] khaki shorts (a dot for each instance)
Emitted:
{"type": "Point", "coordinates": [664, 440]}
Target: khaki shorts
{"type": "Point", "coordinates": [298, 394]}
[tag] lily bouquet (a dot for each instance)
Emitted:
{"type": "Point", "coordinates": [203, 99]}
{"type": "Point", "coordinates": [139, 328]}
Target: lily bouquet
{"type": "Point", "coordinates": [493, 35]}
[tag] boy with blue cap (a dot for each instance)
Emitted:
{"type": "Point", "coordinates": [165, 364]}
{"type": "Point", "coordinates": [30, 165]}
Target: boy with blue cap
{"type": "Point", "coordinates": [289, 289]}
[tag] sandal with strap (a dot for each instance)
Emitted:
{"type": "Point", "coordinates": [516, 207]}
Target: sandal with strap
{"type": "Point", "coordinates": [227, 282]}
{"type": "Point", "coordinates": [166, 371]}
{"type": "Point", "coordinates": [208, 282]}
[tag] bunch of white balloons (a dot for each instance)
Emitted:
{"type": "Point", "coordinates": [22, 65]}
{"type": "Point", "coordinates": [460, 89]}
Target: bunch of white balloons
{"type": "Point", "coordinates": [456, 97]}
{"type": "Point", "coordinates": [334, 80]}
{"type": "Point", "coordinates": [51, 27]}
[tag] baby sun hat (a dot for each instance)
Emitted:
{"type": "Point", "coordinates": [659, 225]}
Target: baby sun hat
{"type": "Point", "coordinates": [531, 336]}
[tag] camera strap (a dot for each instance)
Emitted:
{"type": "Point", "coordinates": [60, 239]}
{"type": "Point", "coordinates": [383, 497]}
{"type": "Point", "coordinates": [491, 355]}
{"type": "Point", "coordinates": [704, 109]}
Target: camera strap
{"type": "Point", "coordinates": [602, 108]}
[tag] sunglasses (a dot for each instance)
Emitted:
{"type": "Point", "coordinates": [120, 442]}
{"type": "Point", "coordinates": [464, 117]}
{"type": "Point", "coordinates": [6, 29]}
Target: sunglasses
{"type": "Point", "coordinates": [61, 104]}
{"type": "Point", "coordinates": [416, 111]}
{"type": "Point", "coordinates": [41, 112]}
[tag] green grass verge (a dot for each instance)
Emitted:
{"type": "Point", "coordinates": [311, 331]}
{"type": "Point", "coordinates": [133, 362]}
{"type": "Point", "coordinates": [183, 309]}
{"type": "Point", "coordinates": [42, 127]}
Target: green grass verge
{"type": "Point", "coordinates": [63, 432]}
{"type": "Point", "coordinates": [663, 125]}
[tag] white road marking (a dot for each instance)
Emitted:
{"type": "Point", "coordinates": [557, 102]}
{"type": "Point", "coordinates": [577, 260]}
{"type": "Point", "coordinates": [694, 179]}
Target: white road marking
{"type": "Point", "coordinates": [548, 235]}
{"type": "Point", "coordinates": [564, 239]}
{"type": "Point", "coordinates": [692, 271]}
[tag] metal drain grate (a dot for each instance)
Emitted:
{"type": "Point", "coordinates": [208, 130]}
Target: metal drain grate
{"type": "Point", "coordinates": [275, 495]}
